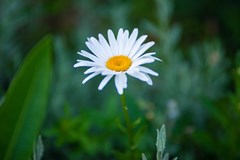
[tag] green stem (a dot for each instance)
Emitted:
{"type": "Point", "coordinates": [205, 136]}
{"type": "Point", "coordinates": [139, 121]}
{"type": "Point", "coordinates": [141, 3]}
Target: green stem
{"type": "Point", "coordinates": [128, 123]}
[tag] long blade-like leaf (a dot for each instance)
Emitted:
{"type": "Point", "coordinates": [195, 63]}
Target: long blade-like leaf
{"type": "Point", "coordinates": [24, 107]}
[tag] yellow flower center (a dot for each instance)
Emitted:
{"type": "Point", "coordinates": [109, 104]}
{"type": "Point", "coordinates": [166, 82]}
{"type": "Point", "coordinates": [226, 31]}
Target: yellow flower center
{"type": "Point", "coordinates": [119, 63]}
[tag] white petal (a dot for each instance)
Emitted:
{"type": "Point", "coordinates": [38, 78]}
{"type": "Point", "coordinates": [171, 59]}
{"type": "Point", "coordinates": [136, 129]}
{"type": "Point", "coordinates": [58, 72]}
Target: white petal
{"type": "Point", "coordinates": [142, 61]}
{"type": "Point", "coordinates": [105, 45]}
{"type": "Point", "coordinates": [90, 70]}
{"type": "Point", "coordinates": [149, 81]}
{"type": "Point", "coordinates": [83, 63]}
{"type": "Point", "coordinates": [120, 41]}
{"type": "Point", "coordinates": [147, 70]}
{"type": "Point", "coordinates": [93, 69]}
{"type": "Point", "coordinates": [112, 42]}
{"type": "Point", "coordinates": [90, 56]}
{"type": "Point", "coordinates": [131, 41]}
{"type": "Point", "coordinates": [90, 76]}
{"type": "Point", "coordinates": [123, 81]}
{"type": "Point", "coordinates": [104, 82]}
{"type": "Point", "coordinates": [158, 59]}
{"type": "Point", "coordinates": [142, 49]}
{"type": "Point", "coordinates": [118, 84]}
{"type": "Point", "coordinates": [149, 55]}
{"type": "Point", "coordinates": [125, 40]}
{"type": "Point", "coordinates": [108, 72]}
{"type": "Point", "coordinates": [98, 46]}
{"type": "Point", "coordinates": [132, 70]}
{"type": "Point", "coordinates": [96, 51]}
{"type": "Point", "coordinates": [138, 75]}
{"type": "Point", "coordinates": [137, 45]}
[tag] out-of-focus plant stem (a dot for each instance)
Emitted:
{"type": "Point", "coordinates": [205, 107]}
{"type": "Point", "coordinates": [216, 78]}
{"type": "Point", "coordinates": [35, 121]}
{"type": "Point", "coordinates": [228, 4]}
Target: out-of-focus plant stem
{"type": "Point", "coordinates": [128, 124]}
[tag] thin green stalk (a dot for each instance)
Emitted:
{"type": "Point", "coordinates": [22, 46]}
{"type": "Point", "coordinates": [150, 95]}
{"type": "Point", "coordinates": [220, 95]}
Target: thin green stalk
{"type": "Point", "coordinates": [128, 123]}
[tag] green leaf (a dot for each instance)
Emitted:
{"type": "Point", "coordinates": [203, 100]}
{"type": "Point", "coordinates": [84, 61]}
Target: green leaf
{"type": "Point", "coordinates": [161, 139]}
{"type": "Point", "coordinates": [136, 122]}
{"type": "Point", "coordinates": [38, 149]}
{"type": "Point", "coordinates": [161, 142]}
{"type": "Point", "coordinates": [121, 126]}
{"type": "Point", "coordinates": [144, 157]}
{"type": "Point", "coordinates": [138, 134]}
{"type": "Point", "coordinates": [166, 156]}
{"type": "Point", "coordinates": [24, 107]}
{"type": "Point", "coordinates": [159, 155]}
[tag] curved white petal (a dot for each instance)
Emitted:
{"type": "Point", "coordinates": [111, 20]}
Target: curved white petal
{"type": "Point", "coordinates": [83, 63]}
{"type": "Point", "coordinates": [120, 41]}
{"type": "Point", "coordinates": [130, 42]}
{"type": "Point", "coordinates": [139, 76]}
{"type": "Point", "coordinates": [93, 69]}
{"type": "Point", "coordinates": [108, 72]}
{"type": "Point", "coordinates": [142, 61]}
{"type": "Point", "coordinates": [90, 77]}
{"type": "Point", "coordinates": [90, 70]}
{"type": "Point", "coordinates": [95, 51]}
{"type": "Point", "coordinates": [142, 49]}
{"type": "Point", "coordinates": [158, 59]}
{"type": "Point", "coordinates": [125, 40]}
{"type": "Point", "coordinates": [104, 82]}
{"type": "Point", "coordinates": [147, 70]}
{"type": "Point", "coordinates": [98, 46]}
{"type": "Point", "coordinates": [105, 45]}
{"type": "Point", "coordinates": [90, 56]}
{"type": "Point", "coordinates": [112, 42]}
{"type": "Point", "coordinates": [149, 81]}
{"type": "Point", "coordinates": [137, 45]}
{"type": "Point", "coordinates": [132, 70]}
{"type": "Point", "coordinates": [123, 78]}
{"type": "Point", "coordinates": [118, 84]}
{"type": "Point", "coordinates": [148, 55]}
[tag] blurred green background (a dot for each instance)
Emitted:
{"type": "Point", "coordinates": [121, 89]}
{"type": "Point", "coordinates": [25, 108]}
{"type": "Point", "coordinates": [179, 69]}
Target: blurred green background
{"type": "Point", "coordinates": [197, 93]}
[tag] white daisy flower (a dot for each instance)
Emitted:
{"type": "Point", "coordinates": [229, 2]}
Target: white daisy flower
{"type": "Point", "coordinates": [119, 57]}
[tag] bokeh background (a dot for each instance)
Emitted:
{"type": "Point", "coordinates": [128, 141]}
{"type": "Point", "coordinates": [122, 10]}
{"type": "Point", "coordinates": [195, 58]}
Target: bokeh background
{"type": "Point", "coordinates": [197, 93]}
